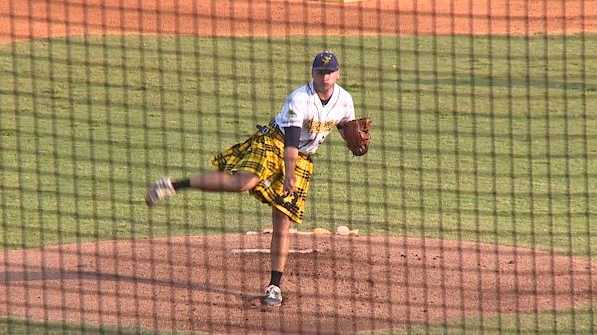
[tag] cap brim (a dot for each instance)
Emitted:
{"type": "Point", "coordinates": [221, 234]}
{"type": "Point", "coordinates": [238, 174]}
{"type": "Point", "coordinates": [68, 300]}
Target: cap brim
{"type": "Point", "coordinates": [326, 69]}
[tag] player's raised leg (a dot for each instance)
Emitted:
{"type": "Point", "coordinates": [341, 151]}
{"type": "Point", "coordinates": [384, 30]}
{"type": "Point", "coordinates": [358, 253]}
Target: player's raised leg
{"type": "Point", "coordinates": [216, 181]}
{"type": "Point", "coordinates": [220, 181]}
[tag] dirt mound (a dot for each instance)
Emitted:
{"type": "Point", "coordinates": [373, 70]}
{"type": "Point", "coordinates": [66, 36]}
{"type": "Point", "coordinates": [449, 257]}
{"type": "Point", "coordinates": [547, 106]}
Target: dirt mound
{"type": "Point", "coordinates": [333, 284]}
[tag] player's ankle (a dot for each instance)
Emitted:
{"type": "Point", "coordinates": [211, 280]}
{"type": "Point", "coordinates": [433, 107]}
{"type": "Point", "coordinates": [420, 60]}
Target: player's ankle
{"type": "Point", "coordinates": [276, 278]}
{"type": "Point", "coordinates": [181, 184]}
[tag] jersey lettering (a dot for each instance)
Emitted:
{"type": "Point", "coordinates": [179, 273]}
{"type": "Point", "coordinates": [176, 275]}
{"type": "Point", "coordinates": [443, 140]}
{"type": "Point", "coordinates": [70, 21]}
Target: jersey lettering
{"type": "Point", "coordinates": [318, 127]}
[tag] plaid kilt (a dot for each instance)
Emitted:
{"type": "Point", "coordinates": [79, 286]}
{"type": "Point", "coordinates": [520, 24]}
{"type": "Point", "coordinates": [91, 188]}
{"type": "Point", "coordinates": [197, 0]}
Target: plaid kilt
{"type": "Point", "coordinates": [263, 155]}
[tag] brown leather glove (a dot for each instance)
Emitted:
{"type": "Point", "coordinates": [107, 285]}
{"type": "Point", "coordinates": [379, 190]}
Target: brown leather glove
{"type": "Point", "coordinates": [356, 135]}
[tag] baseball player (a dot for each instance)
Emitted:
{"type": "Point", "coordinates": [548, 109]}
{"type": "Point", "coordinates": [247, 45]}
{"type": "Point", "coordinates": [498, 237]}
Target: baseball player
{"type": "Point", "coordinates": [275, 164]}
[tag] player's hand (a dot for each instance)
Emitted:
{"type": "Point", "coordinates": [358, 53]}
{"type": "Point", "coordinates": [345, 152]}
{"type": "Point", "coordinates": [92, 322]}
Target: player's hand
{"type": "Point", "coordinates": [289, 184]}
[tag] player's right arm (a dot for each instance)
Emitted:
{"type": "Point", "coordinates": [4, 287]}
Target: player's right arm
{"type": "Point", "coordinates": [291, 152]}
{"type": "Point", "coordinates": [290, 119]}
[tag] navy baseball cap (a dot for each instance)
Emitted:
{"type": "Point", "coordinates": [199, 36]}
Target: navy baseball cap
{"type": "Point", "coordinates": [325, 60]}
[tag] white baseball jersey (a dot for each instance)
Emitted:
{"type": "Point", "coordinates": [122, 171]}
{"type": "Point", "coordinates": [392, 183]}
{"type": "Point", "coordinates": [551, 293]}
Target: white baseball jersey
{"type": "Point", "coordinates": [304, 109]}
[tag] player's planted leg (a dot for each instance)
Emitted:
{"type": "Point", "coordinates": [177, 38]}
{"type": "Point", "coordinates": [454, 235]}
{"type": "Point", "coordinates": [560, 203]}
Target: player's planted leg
{"type": "Point", "coordinates": [279, 256]}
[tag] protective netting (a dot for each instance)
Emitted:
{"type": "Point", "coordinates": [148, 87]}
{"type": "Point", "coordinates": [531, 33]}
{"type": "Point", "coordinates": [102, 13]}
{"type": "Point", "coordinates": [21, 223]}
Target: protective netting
{"type": "Point", "coordinates": [472, 211]}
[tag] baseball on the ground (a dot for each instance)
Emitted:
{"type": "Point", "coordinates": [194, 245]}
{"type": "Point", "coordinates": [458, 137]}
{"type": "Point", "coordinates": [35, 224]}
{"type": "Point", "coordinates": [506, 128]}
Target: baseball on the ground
{"type": "Point", "coordinates": [342, 230]}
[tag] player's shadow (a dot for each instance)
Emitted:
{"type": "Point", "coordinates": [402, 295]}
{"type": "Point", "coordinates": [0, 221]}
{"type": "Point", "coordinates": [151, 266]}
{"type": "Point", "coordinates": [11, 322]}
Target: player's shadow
{"type": "Point", "coordinates": [8, 278]}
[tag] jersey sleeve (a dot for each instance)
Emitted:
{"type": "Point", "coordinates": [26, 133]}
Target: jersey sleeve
{"type": "Point", "coordinates": [293, 112]}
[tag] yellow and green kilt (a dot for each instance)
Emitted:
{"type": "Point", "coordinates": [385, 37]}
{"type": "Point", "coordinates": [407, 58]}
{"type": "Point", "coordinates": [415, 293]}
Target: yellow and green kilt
{"type": "Point", "coordinates": [263, 155]}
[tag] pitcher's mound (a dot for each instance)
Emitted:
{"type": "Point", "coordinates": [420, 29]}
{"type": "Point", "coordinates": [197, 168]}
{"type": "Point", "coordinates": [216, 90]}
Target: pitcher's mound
{"type": "Point", "coordinates": [332, 284]}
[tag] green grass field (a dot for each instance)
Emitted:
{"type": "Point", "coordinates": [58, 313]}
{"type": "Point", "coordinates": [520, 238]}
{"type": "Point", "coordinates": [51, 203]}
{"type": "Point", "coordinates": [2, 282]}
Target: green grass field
{"type": "Point", "coordinates": [15, 326]}
{"type": "Point", "coordinates": [574, 322]}
{"type": "Point", "coordinates": [483, 139]}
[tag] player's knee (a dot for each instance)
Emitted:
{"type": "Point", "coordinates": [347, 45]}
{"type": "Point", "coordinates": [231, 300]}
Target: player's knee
{"type": "Point", "coordinates": [245, 187]}
{"type": "Point", "coordinates": [246, 181]}
{"type": "Point", "coordinates": [281, 222]}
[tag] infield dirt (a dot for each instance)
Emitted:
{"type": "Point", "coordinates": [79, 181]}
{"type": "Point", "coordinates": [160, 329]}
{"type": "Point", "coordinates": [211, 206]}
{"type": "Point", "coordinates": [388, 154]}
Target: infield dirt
{"type": "Point", "coordinates": [348, 284]}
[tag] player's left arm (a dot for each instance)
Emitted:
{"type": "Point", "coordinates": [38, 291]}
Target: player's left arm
{"type": "Point", "coordinates": [355, 132]}
{"type": "Point", "coordinates": [348, 116]}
